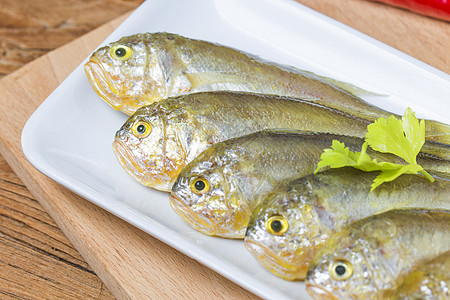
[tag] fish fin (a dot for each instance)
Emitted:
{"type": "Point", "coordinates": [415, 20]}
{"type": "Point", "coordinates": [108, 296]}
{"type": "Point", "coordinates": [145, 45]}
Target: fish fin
{"type": "Point", "coordinates": [290, 131]}
{"type": "Point", "coordinates": [208, 78]}
{"type": "Point", "coordinates": [348, 87]}
{"type": "Point", "coordinates": [380, 229]}
{"type": "Point", "coordinates": [352, 89]}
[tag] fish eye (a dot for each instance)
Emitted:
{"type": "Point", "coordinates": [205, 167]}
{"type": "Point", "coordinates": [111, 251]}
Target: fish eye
{"type": "Point", "coordinates": [120, 52]}
{"type": "Point", "coordinates": [277, 225]}
{"type": "Point", "coordinates": [341, 269]}
{"type": "Point", "coordinates": [199, 185]}
{"type": "Point", "coordinates": [141, 129]}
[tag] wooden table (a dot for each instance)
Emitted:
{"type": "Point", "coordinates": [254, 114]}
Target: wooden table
{"type": "Point", "coordinates": [37, 259]}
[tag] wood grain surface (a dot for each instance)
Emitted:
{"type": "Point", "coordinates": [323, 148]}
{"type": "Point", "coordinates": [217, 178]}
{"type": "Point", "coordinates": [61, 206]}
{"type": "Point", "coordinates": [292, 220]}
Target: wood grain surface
{"type": "Point", "coordinates": [37, 260]}
{"type": "Point", "coordinates": [31, 28]}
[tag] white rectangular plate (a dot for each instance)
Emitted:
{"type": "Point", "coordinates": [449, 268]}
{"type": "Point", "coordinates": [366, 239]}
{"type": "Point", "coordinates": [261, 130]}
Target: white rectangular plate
{"type": "Point", "coordinates": [69, 136]}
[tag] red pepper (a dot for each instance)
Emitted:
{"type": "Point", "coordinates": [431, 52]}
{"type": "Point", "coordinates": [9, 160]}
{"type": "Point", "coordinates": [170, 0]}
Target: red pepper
{"type": "Point", "coordinates": [434, 8]}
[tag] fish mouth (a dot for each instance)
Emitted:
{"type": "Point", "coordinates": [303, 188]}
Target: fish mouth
{"type": "Point", "coordinates": [274, 263]}
{"type": "Point", "coordinates": [319, 293]}
{"type": "Point", "coordinates": [189, 216]}
{"type": "Point", "coordinates": [203, 223]}
{"type": "Point", "coordinates": [141, 174]}
{"type": "Point", "coordinates": [128, 162]}
{"type": "Point", "coordinates": [102, 83]}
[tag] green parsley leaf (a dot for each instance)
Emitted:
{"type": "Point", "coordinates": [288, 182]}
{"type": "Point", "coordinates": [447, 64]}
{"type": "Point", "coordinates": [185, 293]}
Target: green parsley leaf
{"type": "Point", "coordinates": [403, 138]}
{"type": "Point", "coordinates": [389, 175]}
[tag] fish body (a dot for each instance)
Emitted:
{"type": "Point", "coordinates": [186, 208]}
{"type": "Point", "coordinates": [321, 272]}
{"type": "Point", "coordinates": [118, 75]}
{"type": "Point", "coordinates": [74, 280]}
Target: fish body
{"type": "Point", "coordinates": [370, 258]}
{"type": "Point", "coordinates": [316, 206]}
{"type": "Point", "coordinates": [144, 68]}
{"type": "Point", "coordinates": [237, 172]}
{"type": "Point", "coordinates": [181, 128]}
{"type": "Point", "coordinates": [429, 281]}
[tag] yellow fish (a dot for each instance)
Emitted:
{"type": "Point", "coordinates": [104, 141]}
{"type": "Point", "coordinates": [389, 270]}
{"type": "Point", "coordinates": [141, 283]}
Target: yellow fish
{"type": "Point", "coordinates": [156, 142]}
{"type": "Point", "coordinates": [144, 68]}
{"type": "Point", "coordinates": [308, 210]}
{"type": "Point", "coordinates": [369, 259]}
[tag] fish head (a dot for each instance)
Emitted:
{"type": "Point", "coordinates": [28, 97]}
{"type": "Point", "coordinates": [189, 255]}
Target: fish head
{"type": "Point", "coordinates": [125, 74]}
{"type": "Point", "coordinates": [346, 267]}
{"type": "Point", "coordinates": [152, 144]}
{"type": "Point", "coordinates": [208, 198]}
{"type": "Point", "coordinates": [283, 232]}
